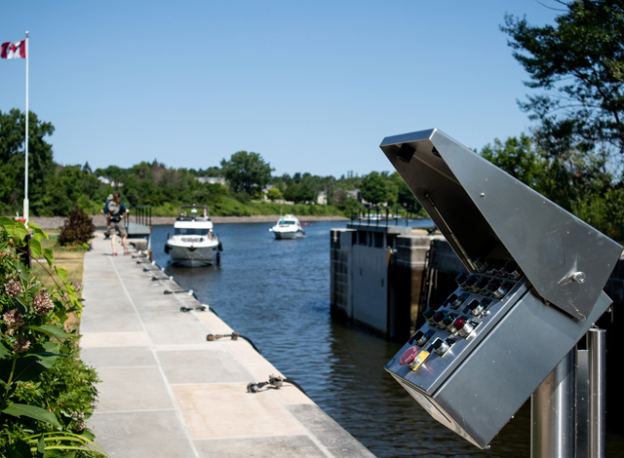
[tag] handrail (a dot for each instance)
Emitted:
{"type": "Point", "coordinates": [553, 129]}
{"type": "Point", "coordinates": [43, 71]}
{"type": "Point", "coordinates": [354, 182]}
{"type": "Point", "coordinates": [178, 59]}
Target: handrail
{"type": "Point", "coordinates": [382, 216]}
{"type": "Point", "coordinates": [142, 215]}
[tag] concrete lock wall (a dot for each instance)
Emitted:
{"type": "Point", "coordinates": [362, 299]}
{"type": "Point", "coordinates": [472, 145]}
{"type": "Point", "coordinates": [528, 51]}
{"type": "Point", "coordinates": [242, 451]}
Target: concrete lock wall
{"type": "Point", "coordinates": [376, 275]}
{"type": "Point", "coordinates": [370, 286]}
{"type": "Point", "coordinates": [407, 281]}
{"type": "Point", "coordinates": [341, 286]}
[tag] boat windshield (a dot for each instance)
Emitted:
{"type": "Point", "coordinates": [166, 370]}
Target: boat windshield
{"type": "Point", "coordinates": [287, 222]}
{"type": "Point", "coordinates": [188, 231]}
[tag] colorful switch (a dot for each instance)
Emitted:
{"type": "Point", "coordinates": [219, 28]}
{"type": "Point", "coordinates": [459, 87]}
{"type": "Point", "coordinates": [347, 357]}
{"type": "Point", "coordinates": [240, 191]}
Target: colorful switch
{"type": "Point", "coordinates": [428, 314]}
{"type": "Point", "coordinates": [418, 360]}
{"type": "Point", "coordinates": [409, 355]}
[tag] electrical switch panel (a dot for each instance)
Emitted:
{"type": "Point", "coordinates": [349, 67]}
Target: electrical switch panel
{"type": "Point", "coordinates": [454, 328]}
{"type": "Point", "coordinates": [532, 287]}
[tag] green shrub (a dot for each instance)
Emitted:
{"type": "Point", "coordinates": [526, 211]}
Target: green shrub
{"type": "Point", "coordinates": [77, 229]}
{"type": "Point", "coordinates": [46, 392]}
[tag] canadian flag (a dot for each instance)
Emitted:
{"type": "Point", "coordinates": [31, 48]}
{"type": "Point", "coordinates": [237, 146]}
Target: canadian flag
{"type": "Point", "coordinates": [15, 50]}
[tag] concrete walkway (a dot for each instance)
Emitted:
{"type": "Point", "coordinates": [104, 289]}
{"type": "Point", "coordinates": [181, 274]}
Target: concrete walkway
{"type": "Point", "coordinates": [167, 392]}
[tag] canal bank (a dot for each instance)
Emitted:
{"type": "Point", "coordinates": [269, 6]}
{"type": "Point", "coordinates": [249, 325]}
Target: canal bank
{"type": "Point", "coordinates": [166, 391]}
{"type": "Point", "coordinates": [55, 222]}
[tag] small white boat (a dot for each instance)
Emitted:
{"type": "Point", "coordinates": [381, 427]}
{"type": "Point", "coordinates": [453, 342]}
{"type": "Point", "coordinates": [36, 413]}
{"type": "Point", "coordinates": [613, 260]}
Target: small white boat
{"type": "Point", "coordinates": [288, 227]}
{"type": "Point", "coordinates": [193, 244]}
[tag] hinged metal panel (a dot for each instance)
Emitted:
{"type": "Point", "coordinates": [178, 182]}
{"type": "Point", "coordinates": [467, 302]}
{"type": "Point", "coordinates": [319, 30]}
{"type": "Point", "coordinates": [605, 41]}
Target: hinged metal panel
{"type": "Point", "coordinates": [482, 210]}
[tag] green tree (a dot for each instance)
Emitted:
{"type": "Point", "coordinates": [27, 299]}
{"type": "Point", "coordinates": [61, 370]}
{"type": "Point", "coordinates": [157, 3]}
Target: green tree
{"type": "Point", "coordinates": [274, 194]}
{"type": "Point", "coordinates": [340, 198]}
{"type": "Point", "coordinates": [292, 192]}
{"type": "Point", "coordinates": [246, 172]}
{"type": "Point", "coordinates": [578, 66]}
{"type": "Point", "coordinates": [404, 195]}
{"type": "Point", "coordinates": [308, 187]}
{"type": "Point", "coordinates": [578, 181]}
{"type": "Point", "coordinates": [518, 157]}
{"type": "Point", "coordinates": [12, 161]}
{"type": "Point", "coordinates": [374, 188]}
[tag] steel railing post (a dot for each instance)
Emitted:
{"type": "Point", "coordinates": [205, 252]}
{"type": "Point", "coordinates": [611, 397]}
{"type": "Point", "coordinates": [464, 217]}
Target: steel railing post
{"type": "Point", "coordinates": [597, 352]}
{"type": "Point", "coordinates": [552, 413]}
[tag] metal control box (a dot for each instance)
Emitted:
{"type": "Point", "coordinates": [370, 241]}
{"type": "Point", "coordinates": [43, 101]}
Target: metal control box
{"type": "Point", "coordinates": [534, 287]}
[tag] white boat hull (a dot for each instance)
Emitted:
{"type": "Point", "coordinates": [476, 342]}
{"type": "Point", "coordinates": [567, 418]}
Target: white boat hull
{"type": "Point", "coordinates": [191, 256]}
{"type": "Point", "coordinates": [288, 228]}
{"type": "Point", "coordinates": [288, 235]}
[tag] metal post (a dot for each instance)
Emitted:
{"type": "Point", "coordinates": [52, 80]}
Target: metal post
{"type": "Point", "coordinates": [597, 352]}
{"type": "Point", "coordinates": [552, 413]}
{"type": "Point", "coordinates": [581, 408]}
{"type": "Point", "coordinates": [26, 205]}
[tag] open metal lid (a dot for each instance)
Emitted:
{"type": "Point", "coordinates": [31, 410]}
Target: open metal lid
{"type": "Point", "coordinates": [484, 212]}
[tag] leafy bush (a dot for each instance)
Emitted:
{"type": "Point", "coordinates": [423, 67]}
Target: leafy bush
{"type": "Point", "coordinates": [46, 392]}
{"type": "Point", "coordinates": [77, 229]}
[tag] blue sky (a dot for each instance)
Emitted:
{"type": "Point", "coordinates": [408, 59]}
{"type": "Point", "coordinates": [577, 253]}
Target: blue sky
{"type": "Point", "coordinates": [311, 86]}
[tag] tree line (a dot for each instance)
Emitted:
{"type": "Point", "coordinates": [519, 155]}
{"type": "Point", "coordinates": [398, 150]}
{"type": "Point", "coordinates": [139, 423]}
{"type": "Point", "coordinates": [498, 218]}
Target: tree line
{"type": "Point", "coordinates": [54, 189]}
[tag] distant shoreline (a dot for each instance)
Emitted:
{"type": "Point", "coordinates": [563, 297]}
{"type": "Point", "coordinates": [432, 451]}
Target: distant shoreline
{"type": "Point", "coordinates": [55, 222]}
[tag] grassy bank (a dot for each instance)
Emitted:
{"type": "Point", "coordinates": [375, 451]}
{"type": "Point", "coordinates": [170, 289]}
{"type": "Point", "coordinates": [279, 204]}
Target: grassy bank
{"type": "Point", "coordinates": [72, 260]}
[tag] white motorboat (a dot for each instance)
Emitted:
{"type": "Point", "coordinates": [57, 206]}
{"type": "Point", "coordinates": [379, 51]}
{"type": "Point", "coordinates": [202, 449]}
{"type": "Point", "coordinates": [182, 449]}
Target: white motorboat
{"type": "Point", "coordinates": [288, 227]}
{"type": "Point", "coordinates": [193, 244]}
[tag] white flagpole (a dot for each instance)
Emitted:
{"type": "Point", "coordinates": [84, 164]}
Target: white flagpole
{"type": "Point", "coordinates": [26, 141]}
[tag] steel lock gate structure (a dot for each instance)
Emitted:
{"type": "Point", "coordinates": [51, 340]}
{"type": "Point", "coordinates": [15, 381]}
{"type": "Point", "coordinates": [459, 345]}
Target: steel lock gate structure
{"type": "Point", "coordinates": [534, 288]}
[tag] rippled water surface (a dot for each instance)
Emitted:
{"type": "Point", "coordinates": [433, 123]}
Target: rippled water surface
{"type": "Point", "coordinates": [277, 294]}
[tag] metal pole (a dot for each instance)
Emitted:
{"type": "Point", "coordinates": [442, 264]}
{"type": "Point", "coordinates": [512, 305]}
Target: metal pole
{"type": "Point", "coordinates": [552, 413]}
{"type": "Point", "coordinates": [597, 348]}
{"type": "Point", "coordinates": [26, 141]}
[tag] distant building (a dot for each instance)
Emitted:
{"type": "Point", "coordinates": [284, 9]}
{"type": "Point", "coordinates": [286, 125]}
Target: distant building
{"type": "Point", "coordinates": [110, 181]}
{"type": "Point", "coordinates": [211, 180]}
{"type": "Point", "coordinates": [265, 190]}
{"type": "Point", "coordinates": [355, 194]}
{"type": "Point", "coordinates": [321, 198]}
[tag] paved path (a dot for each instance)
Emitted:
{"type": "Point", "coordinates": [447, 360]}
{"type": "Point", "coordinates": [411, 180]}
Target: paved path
{"type": "Point", "coordinates": [167, 392]}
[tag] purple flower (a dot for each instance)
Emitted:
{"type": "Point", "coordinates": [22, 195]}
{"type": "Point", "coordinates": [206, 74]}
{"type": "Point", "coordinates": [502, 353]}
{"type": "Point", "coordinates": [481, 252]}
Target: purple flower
{"type": "Point", "coordinates": [13, 288]}
{"type": "Point", "coordinates": [42, 304]}
{"type": "Point", "coordinates": [21, 344]}
{"type": "Point", "coordinates": [13, 319]}
{"type": "Point", "coordinates": [77, 285]}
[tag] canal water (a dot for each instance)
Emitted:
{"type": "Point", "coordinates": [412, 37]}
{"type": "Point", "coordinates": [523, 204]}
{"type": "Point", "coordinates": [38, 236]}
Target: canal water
{"type": "Point", "coordinates": [277, 294]}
